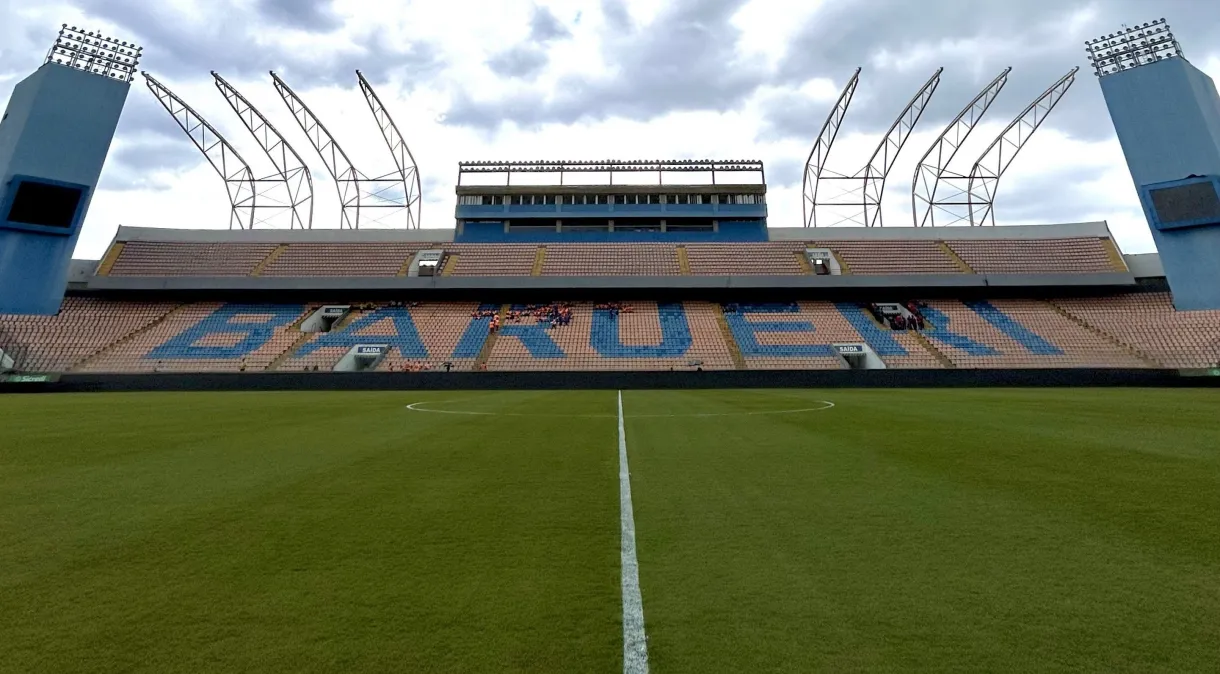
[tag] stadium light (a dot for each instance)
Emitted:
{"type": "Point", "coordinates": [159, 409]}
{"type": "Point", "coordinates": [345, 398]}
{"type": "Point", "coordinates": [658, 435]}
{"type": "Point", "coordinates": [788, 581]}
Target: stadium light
{"type": "Point", "coordinates": [95, 53]}
{"type": "Point", "coordinates": [1132, 48]}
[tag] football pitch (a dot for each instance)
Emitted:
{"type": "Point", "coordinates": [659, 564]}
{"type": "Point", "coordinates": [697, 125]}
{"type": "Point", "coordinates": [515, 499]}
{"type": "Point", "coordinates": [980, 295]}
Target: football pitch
{"type": "Point", "coordinates": [774, 531]}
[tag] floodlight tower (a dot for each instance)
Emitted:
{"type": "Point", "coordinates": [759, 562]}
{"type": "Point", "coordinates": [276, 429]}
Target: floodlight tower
{"type": "Point", "coordinates": [1167, 116]}
{"type": "Point", "coordinates": [54, 137]}
{"type": "Point", "coordinates": [860, 192]}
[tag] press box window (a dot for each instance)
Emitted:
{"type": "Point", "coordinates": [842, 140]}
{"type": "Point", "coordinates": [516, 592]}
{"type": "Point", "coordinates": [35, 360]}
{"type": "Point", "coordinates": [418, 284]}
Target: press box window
{"type": "Point", "coordinates": [45, 205]}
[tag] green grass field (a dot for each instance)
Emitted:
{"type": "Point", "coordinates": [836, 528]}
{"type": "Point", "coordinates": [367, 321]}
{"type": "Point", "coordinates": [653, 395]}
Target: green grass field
{"type": "Point", "coordinates": [999, 530]}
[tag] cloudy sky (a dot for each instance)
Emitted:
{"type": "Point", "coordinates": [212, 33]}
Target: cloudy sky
{"type": "Point", "coordinates": [596, 79]}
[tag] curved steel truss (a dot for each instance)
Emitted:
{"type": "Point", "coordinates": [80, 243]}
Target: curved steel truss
{"type": "Point", "coordinates": [971, 197]}
{"type": "Point", "coordinates": [404, 161]}
{"type": "Point", "coordinates": [238, 178]}
{"type": "Point", "coordinates": [253, 202]}
{"type": "Point", "coordinates": [816, 164]}
{"type": "Point", "coordinates": [292, 170]}
{"type": "Point", "coordinates": [931, 168]}
{"type": "Point", "coordinates": [389, 193]}
{"type": "Point", "coordinates": [856, 198]}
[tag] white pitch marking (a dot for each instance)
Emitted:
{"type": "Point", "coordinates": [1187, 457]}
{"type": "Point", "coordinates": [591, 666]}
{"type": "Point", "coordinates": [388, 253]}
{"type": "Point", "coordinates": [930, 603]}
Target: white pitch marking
{"type": "Point", "coordinates": [635, 644]}
{"type": "Point", "coordinates": [825, 405]}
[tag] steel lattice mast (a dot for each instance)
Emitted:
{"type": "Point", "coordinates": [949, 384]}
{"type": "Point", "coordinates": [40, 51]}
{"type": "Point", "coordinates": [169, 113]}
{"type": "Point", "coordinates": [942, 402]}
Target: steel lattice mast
{"type": "Point", "coordinates": [224, 158]}
{"type": "Point", "coordinates": [934, 164]}
{"type": "Point", "coordinates": [404, 161]}
{"type": "Point", "coordinates": [995, 160]}
{"type": "Point", "coordinates": [297, 180]}
{"type": "Point", "coordinates": [816, 164]}
{"type": "Point", "coordinates": [398, 189]}
{"type": "Point", "coordinates": [866, 187]}
{"type": "Point", "coordinates": [875, 173]}
{"type": "Point", "coordinates": [971, 197]}
{"type": "Point", "coordinates": [340, 168]}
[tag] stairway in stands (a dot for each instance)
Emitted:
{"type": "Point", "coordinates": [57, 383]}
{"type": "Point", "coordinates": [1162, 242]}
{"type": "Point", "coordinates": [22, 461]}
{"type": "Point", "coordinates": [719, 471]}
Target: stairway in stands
{"type": "Point", "coordinates": [940, 355]}
{"type": "Point", "coordinates": [112, 256]}
{"type": "Point", "coordinates": [739, 361]}
{"type": "Point", "coordinates": [957, 260]}
{"type": "Point", "coordinates": [113, 346]}
{"type": "Point", "coordinates": [683, 261]}
{"type": "Point", "coordinates": [305, 336]}
{"type": "Point", "coordinates": [485, 353]}
{"type": "Point", "coordinates": [271, 257]}
{"type": "Point", "coordinates": [1104, 335]}
{"type": "Point", "coordinates": [539, 261]}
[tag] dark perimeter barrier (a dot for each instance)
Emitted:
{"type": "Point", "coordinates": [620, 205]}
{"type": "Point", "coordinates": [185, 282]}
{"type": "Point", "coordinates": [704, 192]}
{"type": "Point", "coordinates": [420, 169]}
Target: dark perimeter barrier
{"type": "Point", "coordinates": [730, 379]}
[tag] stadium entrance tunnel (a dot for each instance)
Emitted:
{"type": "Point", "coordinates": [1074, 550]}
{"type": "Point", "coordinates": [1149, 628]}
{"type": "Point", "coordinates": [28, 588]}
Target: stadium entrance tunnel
{"type": "Point", "coordinates": [362, 358]}
{"type": "Point", "coordinates": [325, 318]}
{"type": "Point", "coordinates": [427, 263]}
{"type": "Point", "coordinates": [859, 356]}
{"type": "Point", "coordinates": [823, 262]}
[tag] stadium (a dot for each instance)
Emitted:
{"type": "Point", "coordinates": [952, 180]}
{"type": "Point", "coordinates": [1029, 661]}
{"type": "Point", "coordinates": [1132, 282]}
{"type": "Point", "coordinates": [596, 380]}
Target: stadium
{"type": "Point", "coordinates": [320, 441]}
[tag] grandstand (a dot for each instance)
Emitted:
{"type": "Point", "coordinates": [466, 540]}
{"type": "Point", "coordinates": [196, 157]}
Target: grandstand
{"type": "Point", "coordinates": [1055, 296]}
{"type": "Point", "coordinates": [607, 265]}
{"type": "Point", "coordinates": [545, 278]}
{"type": "Point", "coordinates": [551, 278]}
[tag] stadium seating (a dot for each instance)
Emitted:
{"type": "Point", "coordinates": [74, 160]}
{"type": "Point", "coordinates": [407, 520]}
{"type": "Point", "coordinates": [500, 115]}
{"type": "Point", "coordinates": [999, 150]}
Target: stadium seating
{"type": "Point", "coordinates": [83, 327]}
{"type": "Point", "coordinates": [1082, 254]}
{"type": "Point", "coordinates": [1018, 334]}
{"type": "Point", "coordinates": [421, 337]}
{"type": "Point", "coordinates": [206, 337]}
{"type": "Point", "coordinates": [575, 259]}
{"type": "Point", "coordinates": [1148, 324]}
{"type": "Point", "coordinates": [631, 336]}
{"type": "Point", "coordinates": [717, 259]}
{"type": "Point", "coordinates": [516, 259]}
{"type": "Point", "coordinates": [891, 256]}
{"type": "Point", "coordinates": [1036, 256]}
{"type": "Point", "coordinates": [789, 335]}
{"type": "Point", "coordinates": [349, 259]}
{"type": "Point", "coordinates": [95, 335]}
{"type": "Point", "coordinates": [151, 258]}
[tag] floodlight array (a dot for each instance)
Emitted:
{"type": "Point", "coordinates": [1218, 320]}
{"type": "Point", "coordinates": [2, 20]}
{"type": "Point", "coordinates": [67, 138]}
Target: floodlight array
{"type": "Point", "coordinates": [94, 53]}
{"type": "Point", "coordinates": [610, 165]}
{"type": "Point", "coordinates": [1132, 47]}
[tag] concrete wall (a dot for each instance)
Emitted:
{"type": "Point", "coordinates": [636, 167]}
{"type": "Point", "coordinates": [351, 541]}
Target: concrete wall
{"type": "Point", "coordinates": [384, 381]}
{"type": "Point", "coordinates": [621, 287]}
{"type": "Point", "coordinates": [1145, 265]}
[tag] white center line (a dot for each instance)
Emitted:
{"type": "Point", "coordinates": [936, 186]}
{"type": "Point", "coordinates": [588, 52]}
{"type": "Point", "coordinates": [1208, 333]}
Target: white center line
{"type": "Point", "coordinates": [635, 644]}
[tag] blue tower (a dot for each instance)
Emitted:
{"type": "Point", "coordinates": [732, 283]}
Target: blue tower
{"type": "Point", "coordinates": [54, 137]}
{"type": "Point", "coordinates": [1167, 115]}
